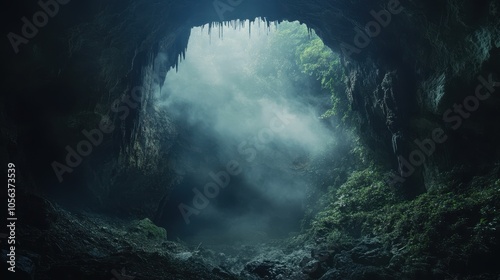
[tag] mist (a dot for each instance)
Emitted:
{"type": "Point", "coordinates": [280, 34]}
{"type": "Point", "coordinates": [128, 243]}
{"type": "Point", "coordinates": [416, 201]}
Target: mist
{"type": "Point", "coordinates": [245, 141]}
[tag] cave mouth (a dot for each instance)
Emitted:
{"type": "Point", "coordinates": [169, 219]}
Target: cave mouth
{"type": "Point", "coordinates": [249, 127]}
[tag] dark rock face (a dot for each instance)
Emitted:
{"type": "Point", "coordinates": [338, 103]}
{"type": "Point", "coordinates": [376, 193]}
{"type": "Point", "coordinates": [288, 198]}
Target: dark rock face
{"type": "Point", "coordinates": [422, 77]}
{"type": "Point", "coordinates": [88, 246]}
{"type": "Point", "coordinates": [265, 270]}
{"type": "Point", "coordinates": [85, 245]}
{"type": "Point", "coordinates": [420, 58]}
{"type": "Point", "coordinates": [25, 268]}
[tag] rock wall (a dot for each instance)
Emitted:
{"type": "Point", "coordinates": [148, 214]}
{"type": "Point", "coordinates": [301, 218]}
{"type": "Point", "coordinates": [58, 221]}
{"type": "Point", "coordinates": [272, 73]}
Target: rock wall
{"type": "Point", "coordinates": [407, 63]}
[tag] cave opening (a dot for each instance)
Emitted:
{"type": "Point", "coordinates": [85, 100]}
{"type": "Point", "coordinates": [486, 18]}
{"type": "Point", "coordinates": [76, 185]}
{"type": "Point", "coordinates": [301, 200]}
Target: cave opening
{"type": "Point", "coordinates": [250, 125]}
{"type": "Point", "coordinates": [287, 160]}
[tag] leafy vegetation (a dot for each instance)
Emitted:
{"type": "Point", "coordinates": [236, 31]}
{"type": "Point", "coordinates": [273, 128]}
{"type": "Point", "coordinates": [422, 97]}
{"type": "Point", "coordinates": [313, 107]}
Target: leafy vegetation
{"type": "Point", "coordinates": [296, 54]}
{"type": "Point", "coordinates": [451, 229]}
{"type": "Point", "coordinates": [349, 206]}
{"type": "Point", "coordinates": [457, 227]}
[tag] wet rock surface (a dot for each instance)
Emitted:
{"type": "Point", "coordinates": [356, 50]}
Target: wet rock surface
{"type": "Point", "coordinates": [83, 245]}
{"type": "Point", "coordinates": [424, 62]}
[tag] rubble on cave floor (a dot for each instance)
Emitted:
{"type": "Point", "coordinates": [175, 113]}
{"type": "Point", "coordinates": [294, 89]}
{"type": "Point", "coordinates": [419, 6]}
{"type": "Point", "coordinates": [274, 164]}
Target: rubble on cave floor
{"type": "Point", "coordinates": [55, 243]}
{"type": "Point", "coordinates": [81, 245]}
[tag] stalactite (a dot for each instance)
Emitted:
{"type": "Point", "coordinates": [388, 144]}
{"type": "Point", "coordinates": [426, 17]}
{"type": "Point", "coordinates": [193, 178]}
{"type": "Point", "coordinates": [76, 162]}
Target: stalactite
{"type": "Point", "coordinates": [240, 24]}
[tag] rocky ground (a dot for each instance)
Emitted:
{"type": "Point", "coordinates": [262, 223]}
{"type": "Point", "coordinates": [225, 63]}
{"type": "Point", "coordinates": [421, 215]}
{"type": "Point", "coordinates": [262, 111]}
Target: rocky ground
{"type": "Point", "coordinates": [362, 231]}
{"type": "Point", "coordinates": [54, 243]}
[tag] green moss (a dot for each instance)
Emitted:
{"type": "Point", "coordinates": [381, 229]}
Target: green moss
{"type": "Point", "coordinates": [349, 206]}
{"type": "Point", "coordinates": [448, 225]}
{"type": "Point", "coordinates": [146, 227]}
{"type": "Point", "coordinates": [456, 224]}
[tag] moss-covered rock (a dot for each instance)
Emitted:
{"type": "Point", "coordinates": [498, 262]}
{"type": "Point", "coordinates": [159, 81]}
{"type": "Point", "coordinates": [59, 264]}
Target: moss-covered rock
{"type": "Point", "coordinates": [351, 203]}
{"type": "Point", "coordinates": [455, 230]}
{"type": "Point", "coordinates": [147, 228]}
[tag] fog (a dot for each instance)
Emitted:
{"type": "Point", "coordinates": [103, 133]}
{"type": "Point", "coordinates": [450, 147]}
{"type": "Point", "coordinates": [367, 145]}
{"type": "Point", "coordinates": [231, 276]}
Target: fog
{"type": "Point", "coordinates": [246, 140]}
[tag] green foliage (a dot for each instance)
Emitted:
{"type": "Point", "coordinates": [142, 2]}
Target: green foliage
{"type": "Point", "coordinates": [278, 58]}
{"type": "Point", "coordinates": [451, 225]}
{"type": "Point", "coordinates": [296, 54]}
{"type": "Point", "coordinates": [447, 225]}
{"type": "Point", "coordinates": [318, 61]}
{"type": "Point", "coordinates": [349, 205]}
{"type": "Point", "coordinates": [365, 190]}
{"type": "Point", "coordinates": [361, 151]}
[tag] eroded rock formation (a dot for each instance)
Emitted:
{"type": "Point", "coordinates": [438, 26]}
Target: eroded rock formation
{"type": "Point", "coordinates": [407, 63]}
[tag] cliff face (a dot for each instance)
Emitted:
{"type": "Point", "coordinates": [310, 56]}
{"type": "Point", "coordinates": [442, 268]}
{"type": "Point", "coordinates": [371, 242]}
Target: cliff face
{"type": "Point", "coordinates": [421, 77]}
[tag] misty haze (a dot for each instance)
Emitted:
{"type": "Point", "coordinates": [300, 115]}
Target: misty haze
{"type": "Point", "coordinates": [250, 140]}
{"type": "Point", "coordinates": [233, 112]}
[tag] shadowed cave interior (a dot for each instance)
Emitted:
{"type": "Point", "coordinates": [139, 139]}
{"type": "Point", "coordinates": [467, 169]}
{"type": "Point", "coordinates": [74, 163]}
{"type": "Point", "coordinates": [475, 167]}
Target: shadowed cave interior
{"type": "Point", "coordinates": [251, 139]}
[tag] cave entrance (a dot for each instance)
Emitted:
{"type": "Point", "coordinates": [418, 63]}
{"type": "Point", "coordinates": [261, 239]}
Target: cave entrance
{"type": "Point", "coordinates": [248, 118]}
